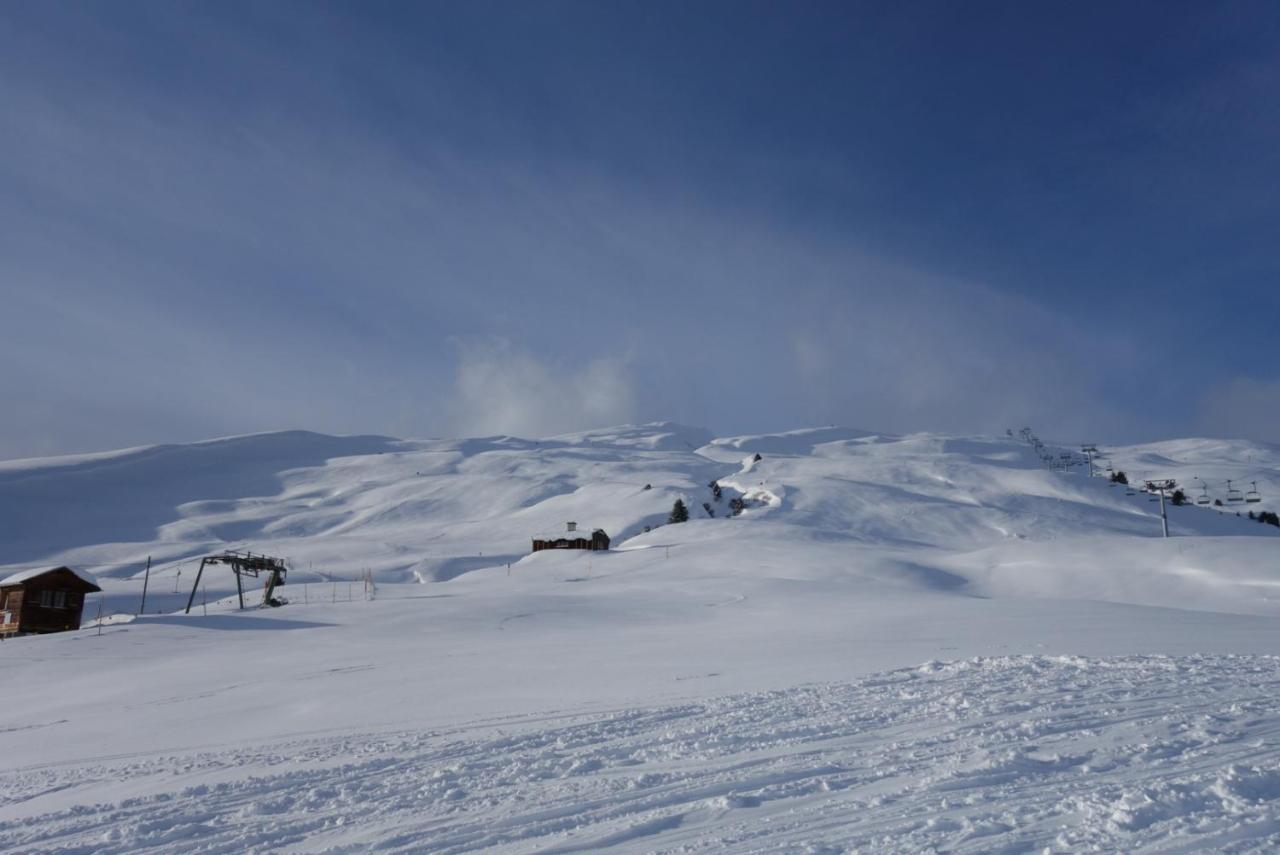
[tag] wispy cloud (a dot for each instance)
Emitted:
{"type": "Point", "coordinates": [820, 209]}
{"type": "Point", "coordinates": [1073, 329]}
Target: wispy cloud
{"type": "Point", "coordinates": [502, 389]}
{"type": "Point", "coordinates": [290, 286]}
{"type": "Point", "coordinates": [173, 271]}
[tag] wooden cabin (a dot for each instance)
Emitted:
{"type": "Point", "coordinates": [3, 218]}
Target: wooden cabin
{"type": "Point", "coordinates": [572, 538]}
{"type": "Point", "coordinates": [46, 599]}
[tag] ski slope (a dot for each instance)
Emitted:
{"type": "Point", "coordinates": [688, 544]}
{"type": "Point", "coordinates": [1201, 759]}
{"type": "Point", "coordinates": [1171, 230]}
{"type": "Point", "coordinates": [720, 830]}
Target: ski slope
{"type": "Point", "coordinates": [902, 642]}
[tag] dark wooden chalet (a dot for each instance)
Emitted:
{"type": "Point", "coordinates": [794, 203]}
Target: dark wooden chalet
{"type": "Point", "coordinates": [571, 538]}
{"type": "Point", "coordinates": [47, 599]}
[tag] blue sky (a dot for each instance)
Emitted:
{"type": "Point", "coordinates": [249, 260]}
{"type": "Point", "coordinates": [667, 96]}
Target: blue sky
{"type": "Point", "coordinates": [424, 219]}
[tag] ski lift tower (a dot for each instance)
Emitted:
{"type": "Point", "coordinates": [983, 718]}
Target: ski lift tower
{"type": "Point", "coordinates": [245, 564]}
{"type": "Point", "coordinates": [1089, 452]}
{"type": "Point", "coordinates": [1160, 487]}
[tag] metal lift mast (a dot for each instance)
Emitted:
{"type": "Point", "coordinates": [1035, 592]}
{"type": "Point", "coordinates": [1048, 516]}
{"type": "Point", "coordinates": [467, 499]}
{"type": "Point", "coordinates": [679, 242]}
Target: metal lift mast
{"type": "Point", "coordinates": [1160, 486]}
{"type": "Point", "coordinates": [1089, 452]}
{"type": "Point", "coordinates": [244, 564]}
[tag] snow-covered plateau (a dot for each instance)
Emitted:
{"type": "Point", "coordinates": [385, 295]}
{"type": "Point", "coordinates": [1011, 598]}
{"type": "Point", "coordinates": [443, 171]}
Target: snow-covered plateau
{"type": "Point", "coordinates": [901, 643]}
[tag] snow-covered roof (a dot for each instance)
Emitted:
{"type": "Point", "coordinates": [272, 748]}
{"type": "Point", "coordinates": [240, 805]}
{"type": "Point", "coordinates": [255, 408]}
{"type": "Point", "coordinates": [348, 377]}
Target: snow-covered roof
{"type": "Point", "coordinates": [583, 532]}
{"type": "Point", "coordinates": [24, 575]}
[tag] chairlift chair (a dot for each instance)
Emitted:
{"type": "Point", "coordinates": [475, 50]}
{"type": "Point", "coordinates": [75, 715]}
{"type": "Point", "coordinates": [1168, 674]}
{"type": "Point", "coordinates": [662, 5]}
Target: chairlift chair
{"type": "Point", "coordinates": [1253, 495]}
{"type": "Point", "coordinates": [1203, 498]}
{"type": "Point", "coordinates": [1234, 496]}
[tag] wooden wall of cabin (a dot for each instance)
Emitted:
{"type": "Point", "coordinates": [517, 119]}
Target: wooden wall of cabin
{"type": "Point", "coordinates": [41, 618]}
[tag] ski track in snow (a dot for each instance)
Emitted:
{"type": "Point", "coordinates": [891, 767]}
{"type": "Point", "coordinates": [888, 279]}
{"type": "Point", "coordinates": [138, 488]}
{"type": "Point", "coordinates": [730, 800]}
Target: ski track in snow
{"type": "Point", "coordinates": [1014, 754]}
{"type": "Point", "coordinates": [853, 553]}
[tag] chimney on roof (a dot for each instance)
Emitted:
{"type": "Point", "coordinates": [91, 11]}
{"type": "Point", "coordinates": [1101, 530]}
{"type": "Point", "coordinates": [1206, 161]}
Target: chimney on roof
{"type": "Point", "coordinates": [572, 526]}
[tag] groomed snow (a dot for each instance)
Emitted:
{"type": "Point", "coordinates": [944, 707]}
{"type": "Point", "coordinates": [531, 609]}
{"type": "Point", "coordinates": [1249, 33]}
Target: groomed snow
{"type": "Point", "coordinates": [1016, 753]}
{"type": "Point", "coordinates": [902, 643]}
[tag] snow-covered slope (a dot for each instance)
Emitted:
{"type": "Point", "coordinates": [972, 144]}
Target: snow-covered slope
{"type": "Point", "coordinates": [735, 682]}
{"type": "Point", "coordinates": [431, 510]}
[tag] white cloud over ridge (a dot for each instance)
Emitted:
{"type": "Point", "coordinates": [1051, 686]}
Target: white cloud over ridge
{"type": "Point", "coordinates": [500, 389]}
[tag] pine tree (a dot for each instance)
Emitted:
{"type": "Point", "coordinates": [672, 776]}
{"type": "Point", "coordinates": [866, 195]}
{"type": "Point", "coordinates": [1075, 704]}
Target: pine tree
{"type": "Point", "coordinates": [679, 513]}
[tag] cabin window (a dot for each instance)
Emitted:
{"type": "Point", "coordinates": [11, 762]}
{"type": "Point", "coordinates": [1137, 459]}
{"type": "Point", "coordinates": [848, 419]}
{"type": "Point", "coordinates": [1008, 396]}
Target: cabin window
{"type": "Point", "coordinates": [52, 599]}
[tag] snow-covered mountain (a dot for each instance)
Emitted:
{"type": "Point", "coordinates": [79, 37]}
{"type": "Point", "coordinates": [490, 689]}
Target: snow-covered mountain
{"type": "Point", "coordinates": [435, 509]}
{"type": "Point", "coordinates": [415, 509]}
{"type": "Point", "coordinates": [898, 642]}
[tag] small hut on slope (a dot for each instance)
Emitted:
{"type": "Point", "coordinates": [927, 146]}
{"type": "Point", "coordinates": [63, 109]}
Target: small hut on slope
{"type": "Point", "coordinates": [571, 538]}
{"type": "Point", "coordinates": [46, 599]}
